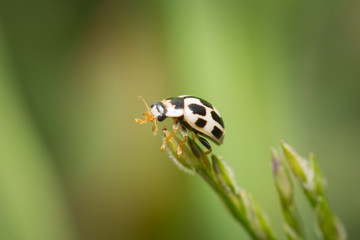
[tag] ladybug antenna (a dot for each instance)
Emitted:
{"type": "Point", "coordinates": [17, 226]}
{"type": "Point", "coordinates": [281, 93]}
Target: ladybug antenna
{"type": "Point", "coordinates": [144, 102]}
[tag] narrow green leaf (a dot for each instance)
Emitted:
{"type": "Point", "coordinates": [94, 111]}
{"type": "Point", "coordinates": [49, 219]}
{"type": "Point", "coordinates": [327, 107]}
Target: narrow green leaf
{"type": "Point", "coordinates": [285, 191]}
{"type": "Point", "coordinates": [225, 174]}
{"type": "Point", "coordinates": [330, 227]}
{"type": "Point", "coordinates": [313, 184]}
{"type": "Point", "coordinates": [296, 163]}
{"type": "Point", "coordinates": [319, 180]}
{"type": "Point", "coordinates": [291, 234]}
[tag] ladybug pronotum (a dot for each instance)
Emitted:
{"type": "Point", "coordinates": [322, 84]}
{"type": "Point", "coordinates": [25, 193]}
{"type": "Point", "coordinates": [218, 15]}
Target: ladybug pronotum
{"type": "Point", "coordinates": [189, 113]}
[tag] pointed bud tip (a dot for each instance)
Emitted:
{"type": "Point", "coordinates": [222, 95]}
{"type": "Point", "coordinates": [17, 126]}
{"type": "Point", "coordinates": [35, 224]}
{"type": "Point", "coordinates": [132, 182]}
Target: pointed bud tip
{"type": "Point", "coordinates": [288, 150]}
{"type": "Point", "coordinates": [284, 144]}
{"type": "Point", "coordinates": [275, 161]}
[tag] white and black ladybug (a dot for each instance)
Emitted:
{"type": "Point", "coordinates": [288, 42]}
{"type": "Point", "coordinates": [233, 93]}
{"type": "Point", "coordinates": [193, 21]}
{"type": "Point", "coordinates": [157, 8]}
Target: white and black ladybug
{"type": "Point", "coordinates": [189, 113]}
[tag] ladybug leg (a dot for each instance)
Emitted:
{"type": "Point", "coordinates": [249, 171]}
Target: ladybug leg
{"type": "Point", "coordinates": [206, 144]}
{"type": "Point", "coordinates": [147, 119]}
{"type": "Point", "coordinates": [142, 121]}
{"type": "Point", "coordinates": [185, 135]}
{"type": "Point", "coordinates": [146, 115]}
{"type": "Point", "coordinates": [175, 128]}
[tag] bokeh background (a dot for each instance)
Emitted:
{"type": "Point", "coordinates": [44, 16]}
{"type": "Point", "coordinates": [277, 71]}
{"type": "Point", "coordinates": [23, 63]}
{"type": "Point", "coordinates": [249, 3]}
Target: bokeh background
{"type": "Point", "coordinates": [74, 165]}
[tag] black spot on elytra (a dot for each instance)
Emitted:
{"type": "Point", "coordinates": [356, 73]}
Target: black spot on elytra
{"type": "Point", "coordinates": [206, 103]}
{"type": "Point", "coordinates": [197, 109]}
{"type": "Point", "coordinates": [200, 122]}
{"type": "Point", "coordinates": [217, 118]}
{"type": "Point", "coordinates": [217, 132]}
{"type": "Point", "coordinates": [177, 102]}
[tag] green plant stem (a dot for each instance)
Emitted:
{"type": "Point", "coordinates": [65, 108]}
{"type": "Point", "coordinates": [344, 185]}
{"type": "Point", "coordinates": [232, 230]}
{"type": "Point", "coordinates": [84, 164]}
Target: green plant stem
{"type": "Point", "coordinates": [215, 172]}
{"type": "Point", "coordinates": [292, 227]}
{"type": "Point", "coordinates": [312, 182]}
{"type": "Point", "coordinates": [242, 205]}
{"type": "Point", "coordinates": [230, 202]}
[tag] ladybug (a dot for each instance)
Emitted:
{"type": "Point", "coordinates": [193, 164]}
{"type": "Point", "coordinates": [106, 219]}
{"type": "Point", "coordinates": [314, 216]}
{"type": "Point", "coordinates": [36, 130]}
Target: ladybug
{"type": "Point", "coordinates": [189, 113]}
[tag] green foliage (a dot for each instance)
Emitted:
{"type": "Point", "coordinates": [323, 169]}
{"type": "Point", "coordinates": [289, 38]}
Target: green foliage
{"type": "Point", "coordinates": [284, 186]}
{"type": "Point", "coordinates": [312, 182]}
{"type": "Point", "coordinates": [218, 175]}
{"type": "Point", "coordinates": [244, 207]}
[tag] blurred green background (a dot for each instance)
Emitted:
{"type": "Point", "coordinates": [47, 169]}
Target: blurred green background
{"type": "Point", "coordinates": [74, 165]}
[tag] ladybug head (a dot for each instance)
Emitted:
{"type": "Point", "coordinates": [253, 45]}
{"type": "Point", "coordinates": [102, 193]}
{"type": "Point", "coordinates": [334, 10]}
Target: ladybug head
{"type": "Point", "coordinates": [159, 111]}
